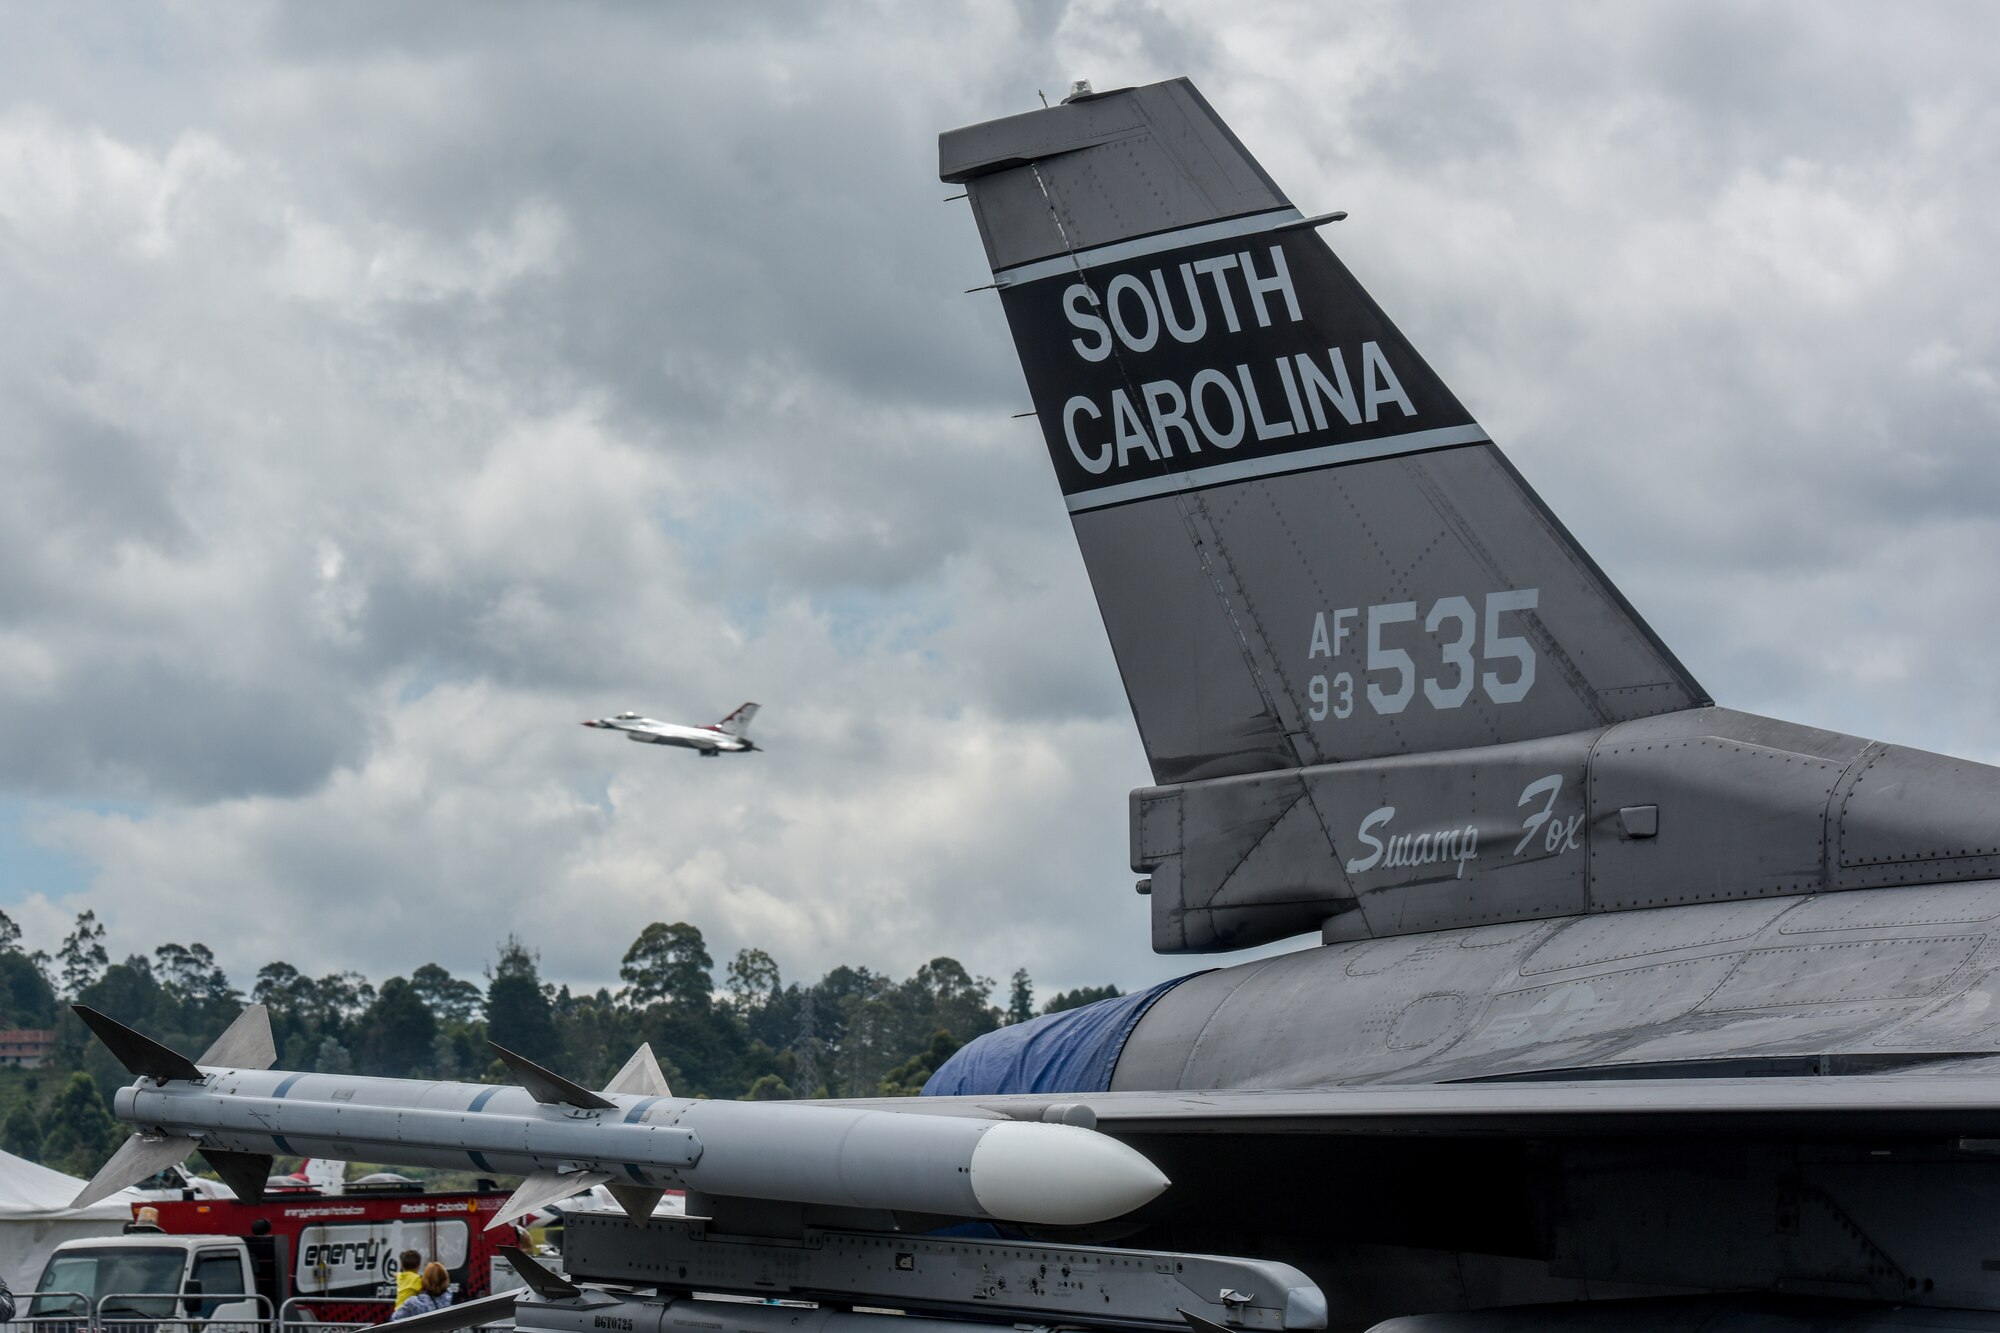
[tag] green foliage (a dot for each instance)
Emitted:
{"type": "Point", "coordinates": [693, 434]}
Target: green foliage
{"type": "Point", "coordinates": [27, 1000]}
{"type": "Point", "coordinates": [452, 1000]}
{"type": "Point", "coordinates": [1021, 998]}
{"type": "Point", "coordinates": [82, 954]}
{"type": "Point", "coordinates": [908, 1078]}
{"type": "Point", "coordinates": [20, 1135]}
{"type": "Point", "coordinates": [398, 1033]}
{"type": "Point", "coordinates": [82, 1133]}
{"type": "Point", "coordinates": [768, 1088]}
{"type": "Point", "coordinates": [753, 978]}
{"type": "Point", "coordinates": [518, 1015]}
{"type": "Point", "coordinates": [1082, 995]}
{"type": "Point", "coordinates": [669, 965]}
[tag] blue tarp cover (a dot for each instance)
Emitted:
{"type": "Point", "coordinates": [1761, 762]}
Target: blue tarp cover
{"type": "Point", "coordinates": [1073, 1051]}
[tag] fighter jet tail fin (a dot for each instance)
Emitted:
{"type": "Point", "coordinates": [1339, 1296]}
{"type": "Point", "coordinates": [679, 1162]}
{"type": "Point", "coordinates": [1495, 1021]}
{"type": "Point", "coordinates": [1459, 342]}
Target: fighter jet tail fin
{"type": "Point", "coordinates": [1304, 547]}
{"type": "Point", "coordinates": [738, 722]}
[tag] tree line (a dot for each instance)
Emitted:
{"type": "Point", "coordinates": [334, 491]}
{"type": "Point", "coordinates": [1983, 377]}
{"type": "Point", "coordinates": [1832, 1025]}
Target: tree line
{"type": "Point", "coordinates": [854, 1032]}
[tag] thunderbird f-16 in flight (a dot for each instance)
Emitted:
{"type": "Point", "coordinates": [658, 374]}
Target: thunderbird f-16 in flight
{"type": "Point", "coordinates": [727, 736]}
{"type": "Point", "coordinates": [1626, 1010]}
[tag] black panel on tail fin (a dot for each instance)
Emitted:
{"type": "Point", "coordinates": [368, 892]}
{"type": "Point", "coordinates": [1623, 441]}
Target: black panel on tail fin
{"type": "Point", "coordinates": [246, 1173]}
{"type": "Point", "coordinates": [1304, 547]}
{"type": "Point", "coordinates": [547, 1086]}
{"type": "Point", "coordinates": [545, 1284]}
{"type": "Point", "coordinates": [139, 1053]}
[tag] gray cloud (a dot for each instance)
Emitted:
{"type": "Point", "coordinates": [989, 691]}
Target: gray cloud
{"type": "Point", "coordinates": [403, 386]}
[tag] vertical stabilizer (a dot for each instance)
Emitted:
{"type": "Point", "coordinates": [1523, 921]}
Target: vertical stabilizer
{"type": "Point", "coordinates": [1305, 549]}
{"type": "Point", "coordinates": [738, 722]}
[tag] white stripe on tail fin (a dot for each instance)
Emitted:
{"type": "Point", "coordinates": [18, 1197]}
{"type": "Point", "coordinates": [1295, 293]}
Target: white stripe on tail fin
{"type": "Point", "coordinates": [738, 722]}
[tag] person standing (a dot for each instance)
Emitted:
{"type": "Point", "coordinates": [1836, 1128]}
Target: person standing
{"type": "Point", "coordinates": [408, 1280]}
{"type": "Point", "coordinates": [434, 1295]}
{"type": "Point", "coordinates": [6, 1303]}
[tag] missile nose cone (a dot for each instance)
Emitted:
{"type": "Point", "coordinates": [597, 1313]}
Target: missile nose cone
{"type": "Point", "coordinates": [1059, 1175]}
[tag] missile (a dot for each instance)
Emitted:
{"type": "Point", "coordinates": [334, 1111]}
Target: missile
{"type": "Point", "coordinates": [635, 1137]}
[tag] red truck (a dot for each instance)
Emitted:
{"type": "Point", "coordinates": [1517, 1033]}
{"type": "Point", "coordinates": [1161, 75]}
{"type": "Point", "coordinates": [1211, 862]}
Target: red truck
{"type": "Point", "coordinates": [333, 1254]}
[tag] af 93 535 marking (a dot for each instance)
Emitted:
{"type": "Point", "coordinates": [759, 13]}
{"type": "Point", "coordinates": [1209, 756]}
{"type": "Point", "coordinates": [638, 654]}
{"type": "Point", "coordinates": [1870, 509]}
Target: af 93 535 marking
{"type": "Point", "coordinates": [1460, 641]}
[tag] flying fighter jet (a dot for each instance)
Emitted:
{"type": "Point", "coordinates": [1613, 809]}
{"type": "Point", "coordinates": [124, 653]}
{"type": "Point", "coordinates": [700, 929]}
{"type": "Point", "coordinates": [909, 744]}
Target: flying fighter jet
{"type": "Point", "coordinates": [730, 734]}
{"type": "Point", "coordinates": [1616, 992]}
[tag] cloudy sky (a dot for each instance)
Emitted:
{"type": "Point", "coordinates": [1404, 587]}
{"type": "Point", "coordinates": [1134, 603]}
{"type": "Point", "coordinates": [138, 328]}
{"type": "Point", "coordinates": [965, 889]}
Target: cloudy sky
{"type": "Point", "coordinates": [385, 388]}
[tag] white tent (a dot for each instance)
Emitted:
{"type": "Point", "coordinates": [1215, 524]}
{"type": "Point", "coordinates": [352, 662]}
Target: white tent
{"type": "Point", "coordinates": [35, 1217]}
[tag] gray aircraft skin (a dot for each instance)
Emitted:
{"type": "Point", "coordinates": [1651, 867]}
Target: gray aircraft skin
{"type": "Point", "coordinates": [1620, 993]}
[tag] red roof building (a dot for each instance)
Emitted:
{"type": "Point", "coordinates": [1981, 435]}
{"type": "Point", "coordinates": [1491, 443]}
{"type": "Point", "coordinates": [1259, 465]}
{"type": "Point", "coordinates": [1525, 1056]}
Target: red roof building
{"type": "Point", "coordinates": [27, 1048]}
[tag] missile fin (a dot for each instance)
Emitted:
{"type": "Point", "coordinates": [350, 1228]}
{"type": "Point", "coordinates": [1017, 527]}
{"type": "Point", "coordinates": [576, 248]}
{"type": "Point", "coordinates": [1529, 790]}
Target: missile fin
{"type": "Point", "coordinates": [549, 1286]}
{"type": "Point", "coordinates": [139, 1053]}
{"type": "Point", "coordinates": [140, 1156]}
{"type": "Point", "coordinates": [641, 1076]}
{"type": "Point", "coordinates": [245, 1044]}
{"type": "Point", "coordinates": [637, 1201]}
{"type": "Point", "coordinates": [464, 1314]}
{"type": "Point", "coordinates": [548, 1087]}
{"type": "Point", "coordinates": [244, 1172]}
{"type": "Point", "coordinates": [544, 1188]}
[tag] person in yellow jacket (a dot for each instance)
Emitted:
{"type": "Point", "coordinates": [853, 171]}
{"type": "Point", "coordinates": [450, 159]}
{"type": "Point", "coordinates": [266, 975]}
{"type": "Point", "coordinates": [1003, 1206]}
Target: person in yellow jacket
{"type": "Point", "coordinates": [409, 1276]}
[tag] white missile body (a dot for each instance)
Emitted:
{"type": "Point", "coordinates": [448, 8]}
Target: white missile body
{"type": "Point", "coordinates": [568, 1138]}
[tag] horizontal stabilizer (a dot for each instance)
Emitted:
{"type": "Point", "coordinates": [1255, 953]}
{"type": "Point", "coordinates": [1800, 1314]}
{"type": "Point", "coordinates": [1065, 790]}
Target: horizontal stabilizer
{"type": "Point", "coordinates": [548, 1087]}
{"type": "Point", "coordinates": [244, 1172]}
{"type": "Point", "coordinates": [139, 1053]}
{"type": "Point", "coordinates": [494, 1309]}
{"type": "Point", "coordinates": [245, 1044]}
{"type": "Point", "coordinates": [138, 1157]}
{"type": "Point", "coordinates": [641, 1076]}
{"type": "Point", "coordinates": [637, 1201]}
{"type": "Point", "coordinates": [544, 1188]}
{"type": "Point", "coordinates": [549, 1286]}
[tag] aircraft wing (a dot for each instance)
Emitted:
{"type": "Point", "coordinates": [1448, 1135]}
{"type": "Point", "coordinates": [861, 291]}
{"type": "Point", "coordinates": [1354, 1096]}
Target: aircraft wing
{"type": "Point", "coordinates": [1900, 1106]}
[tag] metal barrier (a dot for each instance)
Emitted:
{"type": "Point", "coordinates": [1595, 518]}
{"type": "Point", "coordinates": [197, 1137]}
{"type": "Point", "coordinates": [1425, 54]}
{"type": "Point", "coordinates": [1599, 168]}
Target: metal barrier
{"type": "Point", "coordinates": [334, 1314]}
{"type": "Point", "coordinates": [165, 1312]}
{"type": "Point", "coordinates": [49, 1312]}
{"type": "Point", "coordinates": [154, 1312]}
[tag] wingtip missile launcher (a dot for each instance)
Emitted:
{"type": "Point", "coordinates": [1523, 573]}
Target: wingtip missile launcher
{"type": "Point", "coordinates": [564, 1138]}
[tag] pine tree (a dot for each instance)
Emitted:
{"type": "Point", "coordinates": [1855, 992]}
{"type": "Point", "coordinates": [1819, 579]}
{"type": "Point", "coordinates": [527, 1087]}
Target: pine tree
{"type": "Point", "coordinates": [1021, 998]}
